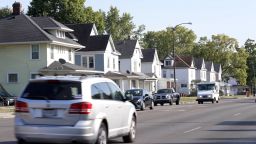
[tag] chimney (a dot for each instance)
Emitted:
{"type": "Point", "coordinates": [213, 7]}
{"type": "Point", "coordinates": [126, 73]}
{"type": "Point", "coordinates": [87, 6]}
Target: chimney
{"type": "Point", "coordinates": [16, 8]}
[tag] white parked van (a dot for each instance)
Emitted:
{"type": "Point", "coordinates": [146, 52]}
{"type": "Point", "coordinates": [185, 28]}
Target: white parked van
{"type": "Point", "coordinates": [208, 91]}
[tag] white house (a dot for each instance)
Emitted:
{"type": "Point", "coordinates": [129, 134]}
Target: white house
{"type": "Point", "coordinates": [201, 70]}
{"type": "Point", "coordinates": [151, 66]}
{"type": "Point", "coordinates": [211, 74]}
{"type": "Point", "coordinates": [130, 64]}
{"type": "Point", "coordinates": [185, 74]}
{"type": "Point", "coordinates": [28, 44]}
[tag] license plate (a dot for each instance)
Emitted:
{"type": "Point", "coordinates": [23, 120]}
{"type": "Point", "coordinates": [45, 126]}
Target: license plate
{"type": "Point", "coordinates": [49, 113]}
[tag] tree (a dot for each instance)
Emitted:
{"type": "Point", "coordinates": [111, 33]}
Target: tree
{"type": "Point", "coordinates": [95, 17]}
{"type": "Point", "coordinates": [5, 11]}
{"type": "Point", "coordinates": [120, 27]}
{"type": "Point", "coordinates": [163, 41]}
{"type": "Point", "coordinates": [250, 47]}
{"type": "Point", "coordinates": [64, 11]}
{"type": "Point", "coordinates": [224, 50]}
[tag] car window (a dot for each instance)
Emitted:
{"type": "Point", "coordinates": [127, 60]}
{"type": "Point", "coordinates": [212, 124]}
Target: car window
{"type": "Point", "coordinates": [96, 92]}
{"type": "Point", "coordinates": [134, 92]}
{"type": "Point", "coordinates": [116, 92]}
{"type": "Point", "coordinates": [53, 90]}
{"type": "Point", "coordinates": [106, 93]}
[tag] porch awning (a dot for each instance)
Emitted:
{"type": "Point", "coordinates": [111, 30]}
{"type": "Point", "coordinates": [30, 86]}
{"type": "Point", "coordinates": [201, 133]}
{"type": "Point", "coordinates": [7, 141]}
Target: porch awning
{"type": "Point", "coordinates": [56, 68]}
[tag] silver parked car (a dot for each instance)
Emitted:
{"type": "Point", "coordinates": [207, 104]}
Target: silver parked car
{"type": "Point", "coordinates": [73, 109]}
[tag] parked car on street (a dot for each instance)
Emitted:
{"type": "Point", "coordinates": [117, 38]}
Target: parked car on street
{"type": "Point", "coordinates": [6, 99]}
{"type": "Point", "coordinates": [168, 95]}
{"type": "Point", "coordinates": [74, 109]}
{"type": "Point", "coordinates": [141, 98]}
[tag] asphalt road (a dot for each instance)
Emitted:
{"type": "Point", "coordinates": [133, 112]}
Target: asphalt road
{"type": "Point", "coordinates": [228, 122]}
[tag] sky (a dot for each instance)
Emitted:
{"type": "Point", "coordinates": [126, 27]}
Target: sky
{"type": "Point", "coordinates": [235, 18]}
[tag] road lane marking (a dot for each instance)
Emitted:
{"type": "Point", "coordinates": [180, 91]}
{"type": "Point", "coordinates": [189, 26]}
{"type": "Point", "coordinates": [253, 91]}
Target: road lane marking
{"type": "Point", "coordinates": [237, 114]}
{"type": "Point", "coordinates": [192, 129]}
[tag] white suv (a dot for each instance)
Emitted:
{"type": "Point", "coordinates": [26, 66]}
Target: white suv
{"type": "Point", "coordinates": [73, 109]}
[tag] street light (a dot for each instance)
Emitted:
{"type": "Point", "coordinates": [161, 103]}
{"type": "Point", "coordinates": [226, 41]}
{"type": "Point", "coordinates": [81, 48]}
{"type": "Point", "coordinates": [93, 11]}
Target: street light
{"type": "Point", "coordinates": [173, 51]}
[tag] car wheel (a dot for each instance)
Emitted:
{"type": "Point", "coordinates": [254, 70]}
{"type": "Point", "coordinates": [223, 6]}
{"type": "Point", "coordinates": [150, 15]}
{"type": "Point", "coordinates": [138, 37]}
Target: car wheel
{"type": "Point", "coordinates": [213, 101]}
{"type": "Point", "coordinates": [155, 104]}
{"type": "Point", "coordinates": [102, 135]}
{"type": "Point", "coordinates": [132, 133]}
{"type": "Point", "coordinates": [20, 141]}
{"type": "Point", "coordinates": [142, 106]}
{"type": "Point", "coordinates": [162, 104]}
{"type": "Point", "coordinates": [7, 103]}
{"type": "Point", "coordinates": [152, 105]}
{"type": "Point", "coordinates": [177, 101]}
{"type": "Point", "coordinates": [171, 102]}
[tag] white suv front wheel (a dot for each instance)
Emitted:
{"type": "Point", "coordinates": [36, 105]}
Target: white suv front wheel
{"type": "Point", "coordinates": [131, 135]}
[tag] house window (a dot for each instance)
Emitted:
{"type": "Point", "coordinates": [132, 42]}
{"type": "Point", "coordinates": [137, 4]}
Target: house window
{"type": "Point", "coordinates": [164, 74]}
{"type": "Point", "coordinates": [34, 75]}
{"type": "Point", "coordinates": [183, 85]}
{"type": "Point", "coordinates": [35, 51]}
{"type": "Point", "coordinates": [108, 65]}
{"type": "Point", "coordinates": [171, 75]}
{"type": "Point", "coordinates": [114, 64]}
{"type": "Point", "coordinates": [84, 61]}
{"type": "Point", "coordinates": [69, 54]}
{"type": "Point", "coordinates": [168, 63]}
{"type": "Point", "coordinates": [52, 51]}
{"type": "Point", "coordinates": [91, 62]}
{"type": "Point", "coordinates": [12, 78]}
{"type": "Point", "coordinates": [119, 65]}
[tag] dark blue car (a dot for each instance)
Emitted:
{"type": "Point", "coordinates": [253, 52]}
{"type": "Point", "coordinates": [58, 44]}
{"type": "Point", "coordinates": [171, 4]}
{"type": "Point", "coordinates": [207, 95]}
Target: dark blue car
{"type": "Point", "coordinates": [141, 98]}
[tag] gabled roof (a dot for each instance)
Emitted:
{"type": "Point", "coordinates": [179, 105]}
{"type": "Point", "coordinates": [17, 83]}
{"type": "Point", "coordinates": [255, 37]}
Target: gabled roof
{"type": "Point", "coordinates": [184, 61]}
{"type": "Point", "coordinates": [66, 68]}
{"type": "Point", "coordinates": [208, 65]}
{"type": "Point", "coordinates": [181, 61]}
{"type": "Point", "coordinates": [216, 67]}
{"type": "Point", "coordinates": [17, 29]}
{"type": "Point", "coordinates": [50, 23]}
{"type": "Point", "coordinates": [126, 48]}
{"type": "Point", "coordinates": [148, 55]}
{"type": "Point", "coordinates": [198, 63]}
{"type": "Point", "coordinates": [82, 32]}
{"type": "Point", "coordinates": [96, 43]}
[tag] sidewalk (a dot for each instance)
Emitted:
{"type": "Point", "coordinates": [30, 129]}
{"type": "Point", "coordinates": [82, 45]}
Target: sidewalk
{"type": "Point", "coordinates": [7, 112]}
{"type": "Point", "coordinates": [7, 115]}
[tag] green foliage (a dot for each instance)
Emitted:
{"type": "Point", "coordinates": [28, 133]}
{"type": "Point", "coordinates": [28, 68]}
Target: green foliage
{"type": "Point", "coordinates": [250, 47]}
{"type": "Point", "coordinates": [224, 50]}
{"type": "Point", "coordinates": [64, 11]}
{"type": "Point", "coordinates": [120, 27]}
{"type": "Point", "coordinates": [5, 11]}
{"type": "Point", "coordinates": [182, 37]}
{"type": "Point", "coordinates": [95, 17]}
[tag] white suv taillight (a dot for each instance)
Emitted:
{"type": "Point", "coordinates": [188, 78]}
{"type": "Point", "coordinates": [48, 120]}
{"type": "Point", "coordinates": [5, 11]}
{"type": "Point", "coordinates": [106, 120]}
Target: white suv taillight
{"type": "Point", "coordinates": [21, 107]}
{"type": "Point", "coordinates": [81, 108]}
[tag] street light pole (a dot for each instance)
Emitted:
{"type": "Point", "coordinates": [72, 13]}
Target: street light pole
{"type": "Point", "coordinates": [173, 51]}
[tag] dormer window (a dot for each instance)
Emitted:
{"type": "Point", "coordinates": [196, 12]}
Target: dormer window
{"type": "Point", "coordinates": [60, 34]}
{"type": "Point", "coordinates": [168, 62]}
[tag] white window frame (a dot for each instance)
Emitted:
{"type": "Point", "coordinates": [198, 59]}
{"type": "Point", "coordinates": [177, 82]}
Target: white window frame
{"type": "Point", "coordinates": [52, 51]}
{"type": "Point", "coordinates": [8, 80]}
{"type": "Point", "coordinates": [168, 63]}
{"type": "Point", "coordinates": [33, 73]}
{"type": "Point", "coordinates": [69, 54]}
{"type": "Point", "coordinates": [31, 51]}
{"type": "Point", "coordinates": [87, 61]}
{"type": "Point", "coordinates": [114, 64]}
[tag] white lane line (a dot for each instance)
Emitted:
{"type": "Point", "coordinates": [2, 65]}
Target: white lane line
{"type": "Point", "coordinates": [192, 129]}
{"type": "Point", "coordinates": [237, 114]}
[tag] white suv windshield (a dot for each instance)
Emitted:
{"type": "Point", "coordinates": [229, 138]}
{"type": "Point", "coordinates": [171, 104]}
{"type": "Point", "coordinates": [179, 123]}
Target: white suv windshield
{"type": "Point", "coordinates": [53, 90]}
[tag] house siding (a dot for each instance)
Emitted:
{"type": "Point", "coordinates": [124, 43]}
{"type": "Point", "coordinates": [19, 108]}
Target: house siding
{"type": "Point", "coordinates": [21, 64]}
{"type": "Point", "coordinates": [99, 62]}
